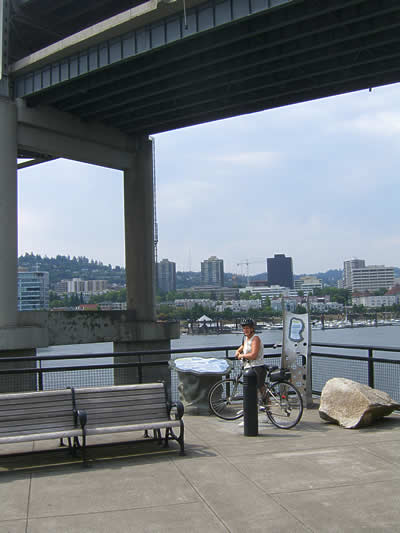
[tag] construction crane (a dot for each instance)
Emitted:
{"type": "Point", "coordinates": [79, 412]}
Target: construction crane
{"type": "Point", "coordinates": [247, 263]}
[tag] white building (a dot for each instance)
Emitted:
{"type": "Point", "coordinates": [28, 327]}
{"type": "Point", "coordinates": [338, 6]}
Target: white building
{"type": "Point", "coordinates": [348, 266]}
{"type": "Point", "coordinates": [307, 284]}
{"type": "Point", "coordinates": [385, 300]}
{"type": "Point", "coordinates": [359, 278]}
{"type": "Point", "coordinates": [371, 278]}
{"type": "Point", "coordinates": [78, 285]}
{"type": "Point", "coordinates": [112, 306]}
{"type": "Point", "coordinates": [290, 304]}
{"type": "Point", "coordinates": [273, 291]}
{"type": "Point", "coordinates": [189, 303]}
{"type": "Point", "coordinates": [326, 307]}
{"type": "Point", "coordinates": [239, 306]}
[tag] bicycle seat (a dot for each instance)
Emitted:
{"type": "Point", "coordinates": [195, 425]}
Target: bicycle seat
{"type": "Point", "coordinates": [271, 368]}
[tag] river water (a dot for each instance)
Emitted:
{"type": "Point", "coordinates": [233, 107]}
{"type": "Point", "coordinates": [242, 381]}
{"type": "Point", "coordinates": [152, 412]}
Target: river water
{"type": "Point", "coordinates": [387, 376]}
{"type": "Point", "coordinates": [383, 336]}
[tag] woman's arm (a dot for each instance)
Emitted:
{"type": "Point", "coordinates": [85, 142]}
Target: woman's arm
{"type": "Point", "coordinates": [239, 351]}
{"type": "Point", "coordinates": [255, 346]}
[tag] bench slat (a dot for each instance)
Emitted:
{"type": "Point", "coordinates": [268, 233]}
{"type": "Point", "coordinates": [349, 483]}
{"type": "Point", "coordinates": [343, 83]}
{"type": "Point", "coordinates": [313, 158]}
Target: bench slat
{"type": "Point", "coordinates": [116, 388]}
{"type": "Point", "coordinates": [104, 398]}
{"type": "Point", "coordinates": [133, 427]}
{"type": "Point", "coordinates": [40, 436]}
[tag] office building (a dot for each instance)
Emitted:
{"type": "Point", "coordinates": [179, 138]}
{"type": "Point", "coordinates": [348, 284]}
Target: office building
{"type": "Point", "coordinates": [371, 278]}
{"type": "Point", "coordinates": [33, 291]}
{"type": "Point", "coordinates": [166, 276]}
{"type": "Point", "coordinates": [212, 272]}
{"type": "Point", "coordinates": [78, 285]}
{"type": "Point", "coordinates": [307, 284]}
{"type": "Point", "coordinates": [273, 291]}
{"type": "Point", "coordinates": [280, 270]}
{"type": "Point", "coordinates": [213, 292]}
{"type": "Point", "coordinates": [347, 271]}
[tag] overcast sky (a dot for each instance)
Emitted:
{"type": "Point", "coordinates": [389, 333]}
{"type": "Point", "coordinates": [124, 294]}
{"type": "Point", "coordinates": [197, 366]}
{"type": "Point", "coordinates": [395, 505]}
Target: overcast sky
{"type": "Point", "coordinates": [317, 181]}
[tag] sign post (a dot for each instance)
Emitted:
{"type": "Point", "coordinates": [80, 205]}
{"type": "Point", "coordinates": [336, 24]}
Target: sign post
{"type": "Point", "coordinates": [296, 352]}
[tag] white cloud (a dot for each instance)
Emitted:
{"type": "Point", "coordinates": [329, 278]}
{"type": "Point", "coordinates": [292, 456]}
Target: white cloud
{"type": "Point", "coordinates": [250, 159]}
{"type": "Point", "coordinates": [383, 123]}
{"type": "Point", "coordinates": [317, 181]}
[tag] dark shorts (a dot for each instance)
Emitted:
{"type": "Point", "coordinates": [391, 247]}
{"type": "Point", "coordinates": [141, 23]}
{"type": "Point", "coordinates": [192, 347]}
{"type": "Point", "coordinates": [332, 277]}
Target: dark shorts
{"type": "Point", "coordinates": [261, 373]}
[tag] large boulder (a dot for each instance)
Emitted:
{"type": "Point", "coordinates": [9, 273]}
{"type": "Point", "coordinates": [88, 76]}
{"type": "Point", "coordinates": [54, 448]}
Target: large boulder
{"type": "Point", "coordinates": [353, 405]}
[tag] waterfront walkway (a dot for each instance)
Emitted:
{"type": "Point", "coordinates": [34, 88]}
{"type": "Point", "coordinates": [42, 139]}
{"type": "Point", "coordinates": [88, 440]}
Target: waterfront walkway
{"type": "Point", "coordinates": [313, 478]}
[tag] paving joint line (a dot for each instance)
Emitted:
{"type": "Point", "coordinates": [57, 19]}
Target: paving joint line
{"type": "Point", "coordinates": [262, 490]}
{"type": "Point", "coordinates": [214, 513]}
{"type": "Point", "coordinates": [28, 503]}
{"type": "Point", "coordinates": [107, 511]}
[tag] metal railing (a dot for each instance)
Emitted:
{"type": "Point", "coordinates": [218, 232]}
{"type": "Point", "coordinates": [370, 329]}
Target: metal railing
{"type": "Point", "coordinates": [58, 371]}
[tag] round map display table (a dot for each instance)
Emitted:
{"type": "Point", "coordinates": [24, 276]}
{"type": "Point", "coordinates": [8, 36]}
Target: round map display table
{"type": "Point", "coordinates": [196, 375]}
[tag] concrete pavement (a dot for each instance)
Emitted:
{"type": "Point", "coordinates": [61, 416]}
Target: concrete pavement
{"type": "Point", "coordinates": [316, 477]}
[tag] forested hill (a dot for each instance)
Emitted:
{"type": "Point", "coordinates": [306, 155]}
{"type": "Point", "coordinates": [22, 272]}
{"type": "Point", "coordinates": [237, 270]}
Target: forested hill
{"type": "Point", "coordinates": [330, 277]}
{"type": "Point", "coordinates": [65, 267]}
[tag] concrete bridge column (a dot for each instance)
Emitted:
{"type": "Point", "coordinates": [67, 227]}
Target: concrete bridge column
{"type": "Point", "coordinates": [139, 232]}
{"type": "Point", "coordinates": [8, 214]}
{"type": "Point", "coordinates": [140, 267]}
{"type": "Point", "coordinates": [9, 252]}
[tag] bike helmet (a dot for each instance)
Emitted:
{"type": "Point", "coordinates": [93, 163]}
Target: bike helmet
{"type": "Point", "coordinates": [248, 322]}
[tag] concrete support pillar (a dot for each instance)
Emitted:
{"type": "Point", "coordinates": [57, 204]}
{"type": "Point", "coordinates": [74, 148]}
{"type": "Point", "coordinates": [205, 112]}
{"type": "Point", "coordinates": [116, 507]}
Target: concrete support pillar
{"type": "Point", "coordinates": [130, 375]}
{"type": "Point", "coordinates": [140, 267]}
{"type": "Point", "coordinates": [26, 382]}
{"type": "Point", "coordinates": [139, 233]}
{"type": "Point", "coordinates": [8, 213]}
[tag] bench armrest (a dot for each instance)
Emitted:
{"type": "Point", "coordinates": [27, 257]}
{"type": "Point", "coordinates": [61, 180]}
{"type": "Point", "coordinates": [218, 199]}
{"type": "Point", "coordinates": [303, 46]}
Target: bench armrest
{"type": "Point", "coordinates": [178, 409]}
{"type": "Point", "coordinates": [81, 416]}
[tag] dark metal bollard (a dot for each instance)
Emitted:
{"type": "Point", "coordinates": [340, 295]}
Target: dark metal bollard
{"type": "Point", "coordinates": [250, 403]}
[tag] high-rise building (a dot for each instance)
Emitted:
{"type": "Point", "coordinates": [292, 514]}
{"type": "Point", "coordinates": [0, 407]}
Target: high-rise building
{"type": "Point", "coordinates": [33, 290]}
{"type": "Point", "coordinates": [371, 278]}
{"type": "Point", "coordinates": [212, 272]}
{"type": "Point", "coordinates": [280, 270]}
{"type": "Point", "coordinates": [347, 271]}
{"type": "Point", "coordinates": [166, 276]}
{"type": "Point", "coordinates": [359, 278]}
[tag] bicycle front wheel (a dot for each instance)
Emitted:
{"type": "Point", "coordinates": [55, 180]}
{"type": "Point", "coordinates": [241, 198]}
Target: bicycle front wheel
{"type": "Point", "coordinates": [226, 399]}
{"type": "Point", "coordinates": [285, 407]}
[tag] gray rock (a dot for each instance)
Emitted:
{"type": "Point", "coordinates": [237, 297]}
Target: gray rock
{"type": "Point", "coordinates": [353, 405]}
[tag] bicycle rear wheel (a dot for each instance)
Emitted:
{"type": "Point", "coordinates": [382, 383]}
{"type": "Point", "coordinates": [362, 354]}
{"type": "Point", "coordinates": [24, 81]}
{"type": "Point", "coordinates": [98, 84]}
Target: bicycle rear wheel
{"type": "Point", "coordinates": [226, 399]}
{"type": "Point", "coordinates": [285, 407]}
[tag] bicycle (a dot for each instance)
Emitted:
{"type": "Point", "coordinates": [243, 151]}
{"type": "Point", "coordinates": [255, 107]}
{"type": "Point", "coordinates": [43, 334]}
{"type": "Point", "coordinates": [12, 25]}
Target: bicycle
{"type": "Point", "coordinates": [284, 405]}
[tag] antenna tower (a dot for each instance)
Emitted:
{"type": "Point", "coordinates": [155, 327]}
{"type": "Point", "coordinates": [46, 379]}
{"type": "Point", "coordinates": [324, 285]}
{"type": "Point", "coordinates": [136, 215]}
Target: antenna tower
{"type": "Point", "coordinates": [155, 201]}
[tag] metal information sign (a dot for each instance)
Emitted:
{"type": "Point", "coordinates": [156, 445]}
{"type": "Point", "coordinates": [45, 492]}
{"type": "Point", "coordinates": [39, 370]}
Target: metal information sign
{"type": "Point", "coordinates": [296, 350]}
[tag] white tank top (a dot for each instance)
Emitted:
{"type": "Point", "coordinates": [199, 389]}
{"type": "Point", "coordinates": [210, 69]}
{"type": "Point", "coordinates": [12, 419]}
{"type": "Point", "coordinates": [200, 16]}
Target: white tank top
{"type": "Point", "coordinates": [247, 349]}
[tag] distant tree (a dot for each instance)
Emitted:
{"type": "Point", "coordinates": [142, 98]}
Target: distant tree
{"type": "Point", "coordinates": [380, 292]}
{"type": "Point", "coordinates": [227, 314]}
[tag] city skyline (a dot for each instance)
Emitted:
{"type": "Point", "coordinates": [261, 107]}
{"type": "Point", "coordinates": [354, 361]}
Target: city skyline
{"type": "Point", "coordinates": [316, 181]}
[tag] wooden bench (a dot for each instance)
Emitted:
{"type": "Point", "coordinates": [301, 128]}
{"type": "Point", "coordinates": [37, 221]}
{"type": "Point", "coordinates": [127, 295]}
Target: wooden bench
{"type": "Point", "coordinates": [31, 416]}
{"type": "Point", "coordinates": [122, 408]}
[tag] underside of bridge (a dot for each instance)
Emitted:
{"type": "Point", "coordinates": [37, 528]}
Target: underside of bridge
{"type": "Point", "coordinates": [297, 51]}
